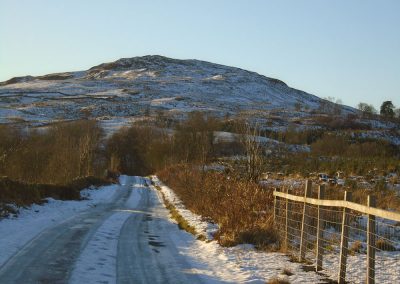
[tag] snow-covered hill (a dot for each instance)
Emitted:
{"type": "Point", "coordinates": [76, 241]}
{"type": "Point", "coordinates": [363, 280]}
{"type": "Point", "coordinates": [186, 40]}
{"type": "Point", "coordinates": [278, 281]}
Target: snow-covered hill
{"type": "Point", "coordinates": [134, 87]}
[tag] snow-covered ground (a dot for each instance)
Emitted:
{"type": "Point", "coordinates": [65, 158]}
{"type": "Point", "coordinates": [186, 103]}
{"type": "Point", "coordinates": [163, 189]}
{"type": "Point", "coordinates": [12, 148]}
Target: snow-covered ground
{"type": "Point", "coordinates": [392, 136]}
{"type": "Point", "coordinates": [225, 137]}
{"type": "Point", "coordinates": [97, 262]}
{"type": "Point", "coordinates": [139, 222]}
{"type": "Point", "coordinates": [18, 231]}
{"type": "Point", "coordinates": [131, 86]}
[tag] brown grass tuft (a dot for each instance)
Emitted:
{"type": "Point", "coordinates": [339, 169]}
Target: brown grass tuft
{"type": "Point", "coordinates": [382, 244]}
{"type": "Point", "coordinates": [278, 281]}
{"type": "Point", "coordinates": [356, 247]}
{"type": "Point", "coordinates": [287, 272]}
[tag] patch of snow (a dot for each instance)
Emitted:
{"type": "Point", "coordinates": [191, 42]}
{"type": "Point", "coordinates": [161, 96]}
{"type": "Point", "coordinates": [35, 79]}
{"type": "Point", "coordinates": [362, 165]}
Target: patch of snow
{"type": "Point", "coordinates": [226, 137]}
{"type": "Point", "coordinates": [216, 77]}
{"type": "Point", "coordinates": [390, 136]}
{"type": "Point", "coordinates": [97, 262]}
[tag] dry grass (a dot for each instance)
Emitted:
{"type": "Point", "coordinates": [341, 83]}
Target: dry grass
{"type": "Point", "coordinates": [384, 245]}
{"type": "Point", "coordinates": [278, 281]}
{"type": "Point", "coordinates": [242, 210]}
{"type": "Point", "coordinates": [287, 272]}
{"type": "Point", "coordinates": [356, 247]}
{"type": "Point", "coordinates": [182, 223]}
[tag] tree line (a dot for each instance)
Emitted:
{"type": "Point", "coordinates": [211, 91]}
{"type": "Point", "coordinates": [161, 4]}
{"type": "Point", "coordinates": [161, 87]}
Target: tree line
{"type": "Point", "coordinates": [57, 154]}
{"type": "Point", "coordinates": [387, 110]}
{"type": "Point", "coordinates": [62, 152]}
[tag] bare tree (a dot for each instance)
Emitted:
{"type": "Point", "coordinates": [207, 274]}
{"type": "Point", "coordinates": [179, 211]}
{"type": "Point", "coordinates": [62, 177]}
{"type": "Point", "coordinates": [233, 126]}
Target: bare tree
{"type": "Point", "coordinates": [367, 110]}
{"type": "Point", "coordinates": [250, 139]}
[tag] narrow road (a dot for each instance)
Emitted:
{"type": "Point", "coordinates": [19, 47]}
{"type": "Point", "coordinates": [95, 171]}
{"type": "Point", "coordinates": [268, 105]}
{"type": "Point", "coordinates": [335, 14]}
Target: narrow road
{"type": "Point", "coordinates": [124, 241]}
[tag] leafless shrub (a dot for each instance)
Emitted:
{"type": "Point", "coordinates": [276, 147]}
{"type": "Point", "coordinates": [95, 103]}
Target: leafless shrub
{"type": "Point", "coordinates": [250, 140]}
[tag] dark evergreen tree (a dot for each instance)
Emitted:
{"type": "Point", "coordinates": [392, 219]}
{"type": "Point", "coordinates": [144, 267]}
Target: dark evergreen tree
{"type": "Point", "coordinates": [387, 109]}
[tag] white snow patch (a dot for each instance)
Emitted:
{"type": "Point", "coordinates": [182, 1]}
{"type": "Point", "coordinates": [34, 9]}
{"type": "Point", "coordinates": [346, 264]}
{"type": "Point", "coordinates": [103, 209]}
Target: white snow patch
{"type": "Point", "coordinates": [97, 263]}
{"type": "Point", "coordinates": [216, 77]}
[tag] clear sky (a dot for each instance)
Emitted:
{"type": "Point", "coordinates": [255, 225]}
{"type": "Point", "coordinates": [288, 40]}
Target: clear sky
{"type": "Point", "coordinates": [346, 49]}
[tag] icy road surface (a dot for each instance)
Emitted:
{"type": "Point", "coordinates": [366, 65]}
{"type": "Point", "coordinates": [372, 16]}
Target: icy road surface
{"type": "Point", "coordinates": [128, 240]}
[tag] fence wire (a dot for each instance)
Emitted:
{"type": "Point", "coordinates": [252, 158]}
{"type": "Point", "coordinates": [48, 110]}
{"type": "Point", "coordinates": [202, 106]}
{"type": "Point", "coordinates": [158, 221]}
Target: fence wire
{"type": "Point", "coordinates": [289, 216]}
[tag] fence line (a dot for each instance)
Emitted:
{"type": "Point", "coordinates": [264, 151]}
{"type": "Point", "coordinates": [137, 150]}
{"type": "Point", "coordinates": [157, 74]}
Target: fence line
{"type": "Point", "coordinates": [329, 233]}
{"type": "Point", "coordinates": [342, 203]}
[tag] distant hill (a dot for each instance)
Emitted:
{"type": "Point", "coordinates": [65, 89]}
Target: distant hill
{"type": "Point", "coordinates": [138, 85]}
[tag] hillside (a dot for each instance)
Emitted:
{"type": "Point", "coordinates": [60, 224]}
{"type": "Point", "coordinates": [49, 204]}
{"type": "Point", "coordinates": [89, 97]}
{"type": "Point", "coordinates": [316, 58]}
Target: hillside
{"type": "Point", "coordinates": [142, 85]}
{"type": "Point", "coordinates": [129, 89]}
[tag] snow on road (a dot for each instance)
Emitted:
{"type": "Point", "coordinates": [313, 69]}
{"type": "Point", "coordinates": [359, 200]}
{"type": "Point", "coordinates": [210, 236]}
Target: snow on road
{"type": "Point", "coordinates": [129, 239]}
{"type": "Point", "coordinates": [18, 231]}
{"type": "Point", "coordinates": [98, 261]}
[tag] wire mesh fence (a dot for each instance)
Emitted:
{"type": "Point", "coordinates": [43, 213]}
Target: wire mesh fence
{"type": "Point", "coordinates": [346, 245]}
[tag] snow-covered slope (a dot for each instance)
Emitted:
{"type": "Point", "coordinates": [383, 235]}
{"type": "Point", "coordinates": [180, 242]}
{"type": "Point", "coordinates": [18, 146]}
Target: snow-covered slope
{"type": "Point", "coordinates": [133, 87]}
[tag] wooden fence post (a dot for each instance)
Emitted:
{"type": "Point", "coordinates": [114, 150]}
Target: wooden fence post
{"type": "Point", "coordinates": [287, 208]}
{"type": "Point", "coordinates": [320, 231]}
{"type": "Point", "coordinates": [344, 241]}
{"type": "Point", "coordinates": [275, 208]}
{"type": "Point", "coordinates": [371, 243]}
{"type": "Point", "coordinates": [304, 221]}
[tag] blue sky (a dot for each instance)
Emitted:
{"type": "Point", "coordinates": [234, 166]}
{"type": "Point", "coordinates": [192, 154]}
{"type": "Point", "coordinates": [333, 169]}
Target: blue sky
{"type": "Point", "coordinates": [344, 49]}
